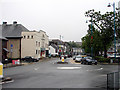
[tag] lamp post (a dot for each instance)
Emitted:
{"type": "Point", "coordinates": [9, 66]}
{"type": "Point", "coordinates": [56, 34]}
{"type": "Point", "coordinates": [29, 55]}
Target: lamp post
{"type": "Point", "coordinates": [91, 37]}
{"type": "Point", "coordinates": [114, 28]}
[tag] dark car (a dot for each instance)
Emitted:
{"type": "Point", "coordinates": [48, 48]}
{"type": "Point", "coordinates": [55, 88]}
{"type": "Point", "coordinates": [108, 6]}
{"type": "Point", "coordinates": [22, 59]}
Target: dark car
{"type": "Point", "coordinates": [5, 61]}
{"type": "Point", "coordinates": [88, 60]}
{"type": "Point", "coordinates": [30, 59]}
{"type": "Point", "coordinates": [69, 55]}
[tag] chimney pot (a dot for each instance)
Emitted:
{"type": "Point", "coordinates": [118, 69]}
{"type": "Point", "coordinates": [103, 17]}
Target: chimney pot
{"type": "Point", "coordinates": [4, 22]}
{"type": "Point", "coordinates": [14, 22]}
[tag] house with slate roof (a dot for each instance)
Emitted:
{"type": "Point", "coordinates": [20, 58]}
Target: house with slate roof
{"type": "Point", "coordinates": [12, 32]}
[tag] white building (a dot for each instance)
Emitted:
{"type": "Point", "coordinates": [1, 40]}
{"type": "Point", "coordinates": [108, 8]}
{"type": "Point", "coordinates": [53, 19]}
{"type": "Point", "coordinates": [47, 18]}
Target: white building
{"type": "Point", "coordinates": [34, 44]}
{"type": "Point", "coordinates": [52, 51]}
{"type": "Point", "coordinates": [77, 51]}
{"type": "Point", "coordinates": [119, 5]}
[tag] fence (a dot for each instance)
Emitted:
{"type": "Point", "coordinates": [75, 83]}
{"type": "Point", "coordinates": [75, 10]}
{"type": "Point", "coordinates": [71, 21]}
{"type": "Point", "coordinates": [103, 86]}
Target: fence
{"type": "Point", "coordinates": [113, 81]}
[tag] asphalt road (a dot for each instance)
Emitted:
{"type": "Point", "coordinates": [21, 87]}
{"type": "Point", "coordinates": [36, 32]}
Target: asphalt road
{"type": "Point", "coordinates": [47, 74]}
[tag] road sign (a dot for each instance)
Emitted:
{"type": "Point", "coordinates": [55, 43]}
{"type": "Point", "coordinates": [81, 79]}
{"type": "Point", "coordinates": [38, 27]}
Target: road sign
{"type": "Point", "coordinates": [11, 45]}
{"type": "Point", "coordinates": [62, 59]}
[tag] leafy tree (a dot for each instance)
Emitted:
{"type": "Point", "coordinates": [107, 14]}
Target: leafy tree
{"type": "Point", "coordinates": [73, 44]}
{"type": "Point", "coordinates": [95, 43]}
{"type": "Point", "coordinates": [104, 24]}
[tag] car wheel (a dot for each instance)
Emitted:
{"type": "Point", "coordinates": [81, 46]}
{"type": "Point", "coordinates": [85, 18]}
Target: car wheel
{"type": "Point", "coordinates": [95, 63]}
{"type": "Point", "coordinates": [82, 62]}
{"type": "Point", "coordinates": [87, 63]}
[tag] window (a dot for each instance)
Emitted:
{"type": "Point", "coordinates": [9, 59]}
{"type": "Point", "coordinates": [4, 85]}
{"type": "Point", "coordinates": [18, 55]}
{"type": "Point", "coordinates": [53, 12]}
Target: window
{"type": "Point", "coordinates": [43, 36]}
{"type": "Point", "coordinates": [36, 51]}
{"type": "Point", "coordinates": [39, 44]}
{"type": "Point", "coordinates": [32, 37]}
{"type": "Point", "coordinates": [24, 37]}
{"type": "Point", "coordinates": [36, 43]}
{"type": "Point", "coordinates": [28, 37]}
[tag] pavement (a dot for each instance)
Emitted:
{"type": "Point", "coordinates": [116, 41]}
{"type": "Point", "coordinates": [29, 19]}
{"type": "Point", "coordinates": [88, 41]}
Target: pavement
{"type": "Point", "coordinates": [24, 63]}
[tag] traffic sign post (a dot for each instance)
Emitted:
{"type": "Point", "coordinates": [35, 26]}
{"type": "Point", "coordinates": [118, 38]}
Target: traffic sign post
{"type": "Point", "coordinates": [11, 49]}
{"type": "Point", "coordinates": [1, 70]}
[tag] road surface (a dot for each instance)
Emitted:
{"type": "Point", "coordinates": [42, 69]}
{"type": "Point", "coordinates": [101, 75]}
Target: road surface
{"type": "Point", "coordinates": [48, 74]}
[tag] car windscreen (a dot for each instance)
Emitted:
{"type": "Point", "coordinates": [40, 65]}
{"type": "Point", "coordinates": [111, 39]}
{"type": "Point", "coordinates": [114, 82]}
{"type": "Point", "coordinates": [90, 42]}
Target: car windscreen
{"type": "Point", "coordinates": [88, 57]}
{"type": "Point", "coordinates": [78, 57]}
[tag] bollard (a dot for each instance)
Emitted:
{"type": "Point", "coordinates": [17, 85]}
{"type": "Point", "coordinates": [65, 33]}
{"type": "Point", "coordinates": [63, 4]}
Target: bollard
{"type": "Point", "coordinates": [1, 70]}
{"type": "Point", "coordinates": [62, 59]}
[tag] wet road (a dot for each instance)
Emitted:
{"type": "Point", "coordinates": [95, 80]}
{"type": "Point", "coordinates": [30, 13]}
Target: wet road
{"type": "Point", "coordinates": [47, 74]}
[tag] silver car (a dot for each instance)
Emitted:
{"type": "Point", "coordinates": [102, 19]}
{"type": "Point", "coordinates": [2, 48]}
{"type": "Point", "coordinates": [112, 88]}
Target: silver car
{"type": "Point", "coordinates": [78, 58]}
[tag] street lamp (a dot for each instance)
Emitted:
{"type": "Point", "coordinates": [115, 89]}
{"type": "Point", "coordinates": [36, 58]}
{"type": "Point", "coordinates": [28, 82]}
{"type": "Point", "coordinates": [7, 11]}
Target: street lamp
{"type": "Point", "coordinates": [91, 37]}
{"type": "Point", "coordinates": [114, 28]}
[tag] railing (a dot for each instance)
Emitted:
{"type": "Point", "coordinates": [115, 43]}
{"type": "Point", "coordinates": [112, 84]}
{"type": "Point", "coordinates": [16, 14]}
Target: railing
{"type": "Point", "coordinates": [113, 81]}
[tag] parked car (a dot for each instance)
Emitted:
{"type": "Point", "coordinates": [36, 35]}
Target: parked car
{"type": "Point", "coordinates": [5, 61]}
{"type": "Point", "coordinates": [30, 59]}
{"type": "Point", "coordinates": [74, 57]}
{"type": "Point", "coordinates": [78, 58]}
{"type": "Point", "coordinates": [54, 54]}
{"type": "Point", "coordinates": [69, 55]}
{"type": "Point", "coordinates": [88, 60]}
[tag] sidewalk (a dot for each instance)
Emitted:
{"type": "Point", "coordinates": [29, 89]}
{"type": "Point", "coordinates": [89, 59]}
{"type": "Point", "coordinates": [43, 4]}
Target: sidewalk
{"type": "Point", "coordinates": [23, 63]}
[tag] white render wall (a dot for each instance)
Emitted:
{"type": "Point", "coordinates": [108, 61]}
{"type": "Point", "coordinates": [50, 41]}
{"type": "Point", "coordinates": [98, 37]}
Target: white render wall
{"type": "Point", "coordinates": [52, 50]}
{"type": "Point", "coordinates": [44, 40]}
{"type": "Point", "coordinates": [119, 5]}
{"type": "Point", "coordinates": [28, 46]}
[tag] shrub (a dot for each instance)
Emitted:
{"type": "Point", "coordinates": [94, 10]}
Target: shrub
{"type": "Point", "coordinates": [102, 59]}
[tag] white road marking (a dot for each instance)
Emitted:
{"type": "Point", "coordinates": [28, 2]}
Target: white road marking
{"type": "Point", "coordinates": [68, 67]}
{"type": "Point", "coordinates": [6, 82]}
{"type": "Point", "coordinates": [95, 69]}
{"type": "Point", "coordinates": [36, 68]}
{"type": "Point", "coordinates": [105, 75]}
{"type": "Point", "coordinates": [99, 69]}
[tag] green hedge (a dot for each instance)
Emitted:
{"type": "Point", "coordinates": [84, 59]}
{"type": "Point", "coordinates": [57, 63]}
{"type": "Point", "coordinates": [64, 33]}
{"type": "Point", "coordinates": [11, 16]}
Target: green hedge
{"type": "Point", "coordinates": [102, 59]}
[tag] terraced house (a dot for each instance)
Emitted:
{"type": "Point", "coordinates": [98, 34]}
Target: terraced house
{"type": "Point", "coordinates": [20, 42]}
{"type": "Point", "coordinates": [35, 44]}
{"type": "Point", "coordinates": [12, 32]}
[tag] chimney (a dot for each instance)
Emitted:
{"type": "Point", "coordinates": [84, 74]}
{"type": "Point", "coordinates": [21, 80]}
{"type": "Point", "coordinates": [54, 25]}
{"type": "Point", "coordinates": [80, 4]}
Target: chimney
{"type": "Point", "coordinates": [14, 22]}
{"type": "Point", "coordinates": [4, 23]}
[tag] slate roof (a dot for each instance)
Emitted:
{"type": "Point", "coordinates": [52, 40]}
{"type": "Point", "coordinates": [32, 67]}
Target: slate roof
{"type": "Point", "coordinates": [54, 46]}
{"type": "Point", "coordinates": [59, 42]}
{"type": "Point", "coordinates": [3, 38]}
{"type": "Point", "coordinates": [12, 31]}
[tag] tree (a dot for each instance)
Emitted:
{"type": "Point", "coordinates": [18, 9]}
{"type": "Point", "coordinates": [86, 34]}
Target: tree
{"type": "Point", "coordinates": [73, 44]}
{"type": "Point", "coordinates": [104, 24]}
{"type": "Point", "coordinates": [95, 43]}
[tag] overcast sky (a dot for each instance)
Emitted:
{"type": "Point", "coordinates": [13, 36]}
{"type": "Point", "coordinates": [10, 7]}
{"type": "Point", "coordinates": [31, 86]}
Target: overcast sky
{"type": "Point", "coordinates": [55, 17]}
